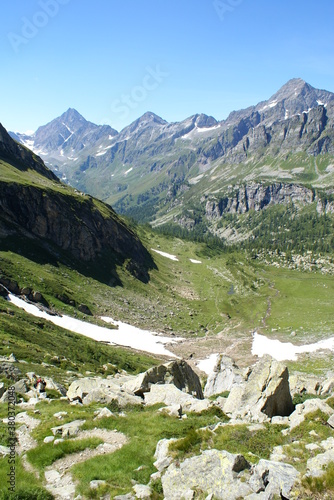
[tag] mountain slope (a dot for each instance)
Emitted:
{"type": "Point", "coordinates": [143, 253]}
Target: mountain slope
{"type": "Point", "coordinates": [37, 206]}
{"type": "Point", "coordinates": [154, 170]}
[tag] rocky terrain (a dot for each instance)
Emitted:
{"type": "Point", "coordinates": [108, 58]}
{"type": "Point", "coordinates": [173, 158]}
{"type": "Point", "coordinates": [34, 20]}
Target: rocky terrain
{"type": "Point", "coordinates": [35, 205]}
{"type": "Point", "coordinates": [289, 138]}
{"type": "Point", "coordinates": [256, 404]}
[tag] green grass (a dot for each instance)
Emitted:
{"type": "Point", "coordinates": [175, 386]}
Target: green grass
{"type": "Point", "coordinates": [46, 454]}
{"type": "Point", "coordinates": [234, 439]}
{"type": "Point", "coordinates": [27, 486]}
{"type": "Point", "coordinates": [134, 461]}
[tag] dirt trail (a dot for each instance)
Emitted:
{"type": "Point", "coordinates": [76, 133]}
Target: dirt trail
{"type": "Point", "coordinates": [58, 477]}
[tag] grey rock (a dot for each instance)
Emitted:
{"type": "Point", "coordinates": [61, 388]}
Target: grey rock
{"type": "Point", "coordinates": [330, 421]}
{"type": "Point", "coordinates": [273, 478]}
{"type": "Point", "coordinates": [178, 373]}
{"type": "Point", "coordinates": [96, 483]}
{"type": "Point", "coordinates": [70, 429]}
{"type": "Point", "coordinates": [309, 406]}
{"type": "Point", "coordinates": [2, 389]}
{"type": "Point", "coordinates": [48, 439]}
{"type": "Point", "coordinates": [162, 458]}
{"type": "Point", "coordinates": [175, 399]}
{"type": "Point", "coordinates": [104, 413]}
{"type": "Point", "coordinates": [51, 384]}
{"type": "Point", "coordinates": [142, 491]}
{"type": "Point", "coordinates": [327, 386]}
{"type": "Point", "coordinates": [213, 472]}
{"type": "Point", "coordinates": [95, 389]}
{"type": "Point", "coordinates": [265, 394]}
{"type": "Point", "coordinates": [4, 450]}
{"type": "Point", "coordinates": [316, 465]}
{"type": "Point", "coordinates": [225, 375]}
{"type": "Point", "coordinates": [21, 386]}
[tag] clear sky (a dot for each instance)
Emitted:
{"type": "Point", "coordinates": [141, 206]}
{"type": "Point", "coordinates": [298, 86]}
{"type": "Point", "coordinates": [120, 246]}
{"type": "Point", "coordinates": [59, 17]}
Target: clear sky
{"type": "Point", "coordinates": [113, 60]}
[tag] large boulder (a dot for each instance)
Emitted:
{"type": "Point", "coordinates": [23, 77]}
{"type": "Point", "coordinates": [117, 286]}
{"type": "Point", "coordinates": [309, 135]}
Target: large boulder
{"type": "Point", "coordinates": [161, 455]}
{"type": "Point", "coordinates": [177, 372]}
{"type": "Point", "coordinates": [263, 395]}
{"type": "Point", "coordinates": [309, 406]}
{"type": "Point", "coordinates": [225, 375]}
{"type": "Point", "coordinates": [213, 472]}
{"type": "Point", "coordinates": [272, 479]}
{"type": "Point", "coordinates": [316, 466]}
{"type": "Point", "coordinates": [96, 389]}
{"type": "Point", "coordinates": [173, 398]}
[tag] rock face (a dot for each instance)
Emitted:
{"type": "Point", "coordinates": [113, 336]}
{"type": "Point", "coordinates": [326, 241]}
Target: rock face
{"type": "Point", "coordinates": [265, 393]}
{"type": "Point", "coordinates": [256, 196]}
{"type": "Point", "coordinates": [212, 472]}
{"type": "Point", "coordinates": [89, 390]}
{"type": "Point", "coordinates": [49, 211]}
{"type": "Point", "coordinates": [273, 478]}
{"type": "Point", "coordinates": [178, 373]}
{"type": "Point", "coordinates": [177, 402]}
{"type": "Point", "coordinates": [225, 375]}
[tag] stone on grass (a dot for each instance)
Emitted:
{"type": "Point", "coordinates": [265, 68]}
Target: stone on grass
{"type": "Point", "coordinates": [178, 373]}
{"type": "Point", "coordinates": [48, 439]}
{"type": "Point", "coordinates": [96, 483]}
{"type": "Point", "coordinates": [70, 429]}
{"type": "Point", "coordinates": [263, 395]}
{"type": "Point", "coordinates": [330, 421]}
{"type": "Point", "coordinates": [104, 413]}
{"type": "Point", "coordinates": [225, 375]}
{"type": "Point", "coordinates": [4, 450]}
{"type": "Point", "coordinates": [316, 466]}
{"type": "Point", "coordinates": [309, 406]}
{"type": "Point", "coordinates": [142, 491]}
{"type": "Point", "coordinates": [273, 478]}
{"type": "Point", "coordinates": [96, 389]}
{"type": "Point", "coordinates": [162, 458]}
{"type": "Point", "coordinates": [213, 472]}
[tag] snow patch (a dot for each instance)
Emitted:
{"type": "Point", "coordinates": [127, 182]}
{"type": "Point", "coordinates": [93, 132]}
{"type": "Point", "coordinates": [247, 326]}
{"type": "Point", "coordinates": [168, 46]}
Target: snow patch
{"type": "Point", "coordinates": [195, 261]}
{"type": "Point", "coordinates": [167, 255]}
{"type": "Point", "coordinates": [272, 104]}
{"type": "Point", "coordinates": [126, 335]}
{"type": "Point", "coordinates": [208, 364]}
{"type": "Point", "coordinates": [286, 350]}
{"type": "Point", "coordinates": [101, 154]}
{"type": "Point", "coordinates": [207, 129]}
{"type": "Point", "coordinates": [128, 171]}
{"type": "Point", "coordinates": [195, 180]}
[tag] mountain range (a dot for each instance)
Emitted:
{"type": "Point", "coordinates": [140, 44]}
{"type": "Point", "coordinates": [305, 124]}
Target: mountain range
{"type": "Point", "coordinates": [44, 215]}
{"type": "Point", "coordinates": [158, 171]}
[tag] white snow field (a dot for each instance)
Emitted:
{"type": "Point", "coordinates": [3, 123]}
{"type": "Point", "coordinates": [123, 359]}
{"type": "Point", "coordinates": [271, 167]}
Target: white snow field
{"type": "Point", "coordinates": [126, 335]}
{"type": "Point", "coordinates": [164, 254]}
{"type": "Point", "coordinates": [286, 350]}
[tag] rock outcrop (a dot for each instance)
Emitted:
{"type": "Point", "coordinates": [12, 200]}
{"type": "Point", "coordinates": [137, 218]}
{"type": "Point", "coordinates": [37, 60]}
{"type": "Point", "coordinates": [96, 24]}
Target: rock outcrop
{"type": "Point", "coordinates": [41, 208]}
{"type": "Point", "coordinates": [178, 373]}
{"type": "Point", "coordinates": [257, 196]}
{"type": "Point", "coordinates": [212, 472]}
{"type": "Point", "coordinates": [96, 389]}
{"type": "Point", "coordinates": [225, 375]}
{"type": "Point", "coordinates": [263, 395]}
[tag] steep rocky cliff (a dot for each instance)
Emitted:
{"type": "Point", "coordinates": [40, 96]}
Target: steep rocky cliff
{"type": "Point", "coordinates": [35, 204]}
{"type": "Point", "coordinates": [258, 196]}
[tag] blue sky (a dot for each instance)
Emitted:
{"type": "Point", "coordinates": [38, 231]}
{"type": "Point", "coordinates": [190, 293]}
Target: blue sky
{"type": "Point", "coordinates": [113, 60]}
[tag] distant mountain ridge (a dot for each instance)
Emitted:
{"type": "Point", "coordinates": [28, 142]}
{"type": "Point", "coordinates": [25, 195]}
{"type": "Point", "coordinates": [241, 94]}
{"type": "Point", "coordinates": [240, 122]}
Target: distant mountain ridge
{"type": "Point", "coordinates": [155, 170]}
